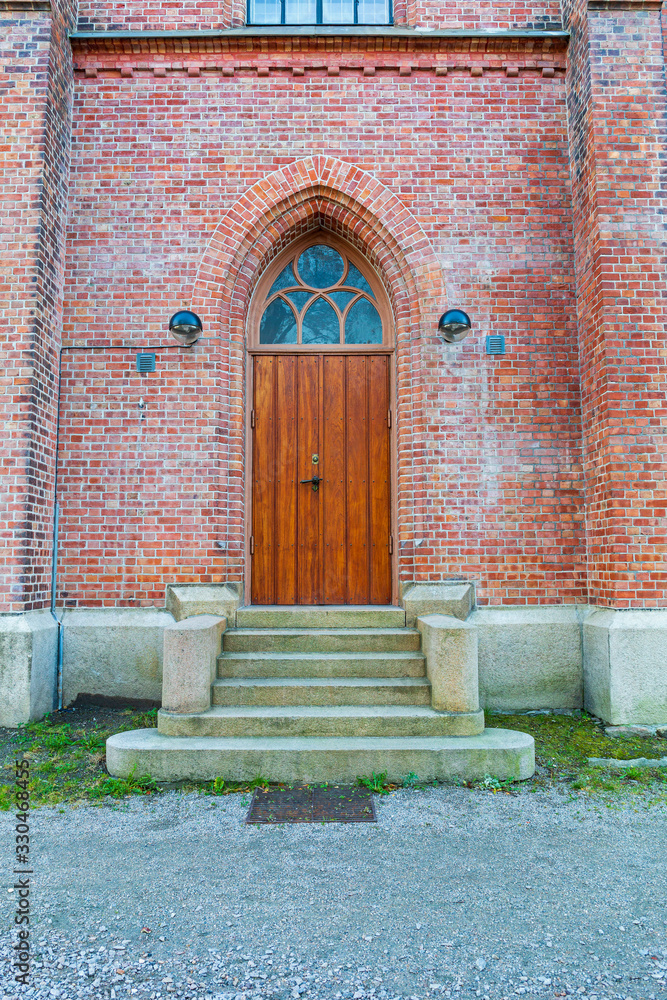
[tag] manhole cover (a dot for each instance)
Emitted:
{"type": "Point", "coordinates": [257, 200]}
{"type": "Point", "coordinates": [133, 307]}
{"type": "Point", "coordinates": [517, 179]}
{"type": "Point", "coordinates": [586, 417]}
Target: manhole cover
{"type": "Point", "coordinates": [312, 804]}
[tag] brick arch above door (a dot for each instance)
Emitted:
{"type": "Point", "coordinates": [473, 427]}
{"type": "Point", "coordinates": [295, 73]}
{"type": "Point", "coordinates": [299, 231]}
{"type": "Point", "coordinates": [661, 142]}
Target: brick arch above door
{"type": "Point", "coordinates": [323, 193]}
{"type": "Point", "coordinates": [320, 192]}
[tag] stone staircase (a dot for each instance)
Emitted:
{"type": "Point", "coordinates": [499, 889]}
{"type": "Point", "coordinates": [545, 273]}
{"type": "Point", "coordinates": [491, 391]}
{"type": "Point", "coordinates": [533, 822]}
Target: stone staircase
{"type": "Point", "coordinates": [312, 694]}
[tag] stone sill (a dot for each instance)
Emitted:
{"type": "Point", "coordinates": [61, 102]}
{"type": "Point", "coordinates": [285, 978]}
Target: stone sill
{"type": "Point", "coordinates": [319, 31]}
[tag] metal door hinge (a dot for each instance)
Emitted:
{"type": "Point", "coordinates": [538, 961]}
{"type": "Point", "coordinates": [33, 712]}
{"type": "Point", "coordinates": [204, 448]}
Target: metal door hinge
{"type": "Point", "coordinates": [391, 545]}
{"type": "Point", "coordinates": [252, 419]}
{"type": "Point", "coordinates": [252, 545]}
{"type": "Point", "coordinates": [388, 418]}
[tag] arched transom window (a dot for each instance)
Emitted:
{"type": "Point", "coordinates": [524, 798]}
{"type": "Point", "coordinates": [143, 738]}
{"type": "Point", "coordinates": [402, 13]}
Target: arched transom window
{"type": "Point", "coordinates": [320, 297]}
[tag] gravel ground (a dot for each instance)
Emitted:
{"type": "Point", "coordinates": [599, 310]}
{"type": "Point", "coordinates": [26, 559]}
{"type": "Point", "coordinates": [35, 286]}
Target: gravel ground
{"type": "Point", "coordinates": [454, 893]}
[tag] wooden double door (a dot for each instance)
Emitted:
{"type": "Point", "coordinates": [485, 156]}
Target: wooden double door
{"type": "Point", "coordinates": [321, 479]}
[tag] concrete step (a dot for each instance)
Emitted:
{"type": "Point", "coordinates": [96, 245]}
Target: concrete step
{"type": "Point", "coordinates": [502, 753]}
{"type": "Point", "coordinates": [308, 720]}
{"type": "Point", "coordinates": [289, 691]}
{"type": "Point", "coordinates": [321, 665]}
{"type": "Point", "coordinates": [329, 640]}
{"type": "Point", "coordinates": [326, 616]}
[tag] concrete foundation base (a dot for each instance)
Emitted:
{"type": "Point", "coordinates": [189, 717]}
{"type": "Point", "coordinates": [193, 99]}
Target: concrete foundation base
{"type": "Point", "coordinates": [625, 665]}
{"type": "Point", "coordinates": [502, 753]}
{"type": "Point", "coordinates": [530, 658]}
{"type": "Point", "coordinates": [116, 653]}
{"type": "Point", "coordinates": [28, 666]}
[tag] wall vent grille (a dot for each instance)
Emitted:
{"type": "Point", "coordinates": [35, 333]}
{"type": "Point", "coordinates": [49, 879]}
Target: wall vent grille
{"type": "Point", "coordinates": [145, 363]}
{"type": "Point", "coordinates": [495, 344]}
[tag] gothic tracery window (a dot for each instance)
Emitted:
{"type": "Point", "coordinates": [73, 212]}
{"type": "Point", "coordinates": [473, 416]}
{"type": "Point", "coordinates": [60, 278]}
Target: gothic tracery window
{"type": "Point", "coordinates": [320, 297]}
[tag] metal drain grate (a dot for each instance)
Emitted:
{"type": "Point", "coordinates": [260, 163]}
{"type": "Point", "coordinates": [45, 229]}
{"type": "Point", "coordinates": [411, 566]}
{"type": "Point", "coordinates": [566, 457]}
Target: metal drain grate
{"type": "Point", "coordinates": [312, 804]}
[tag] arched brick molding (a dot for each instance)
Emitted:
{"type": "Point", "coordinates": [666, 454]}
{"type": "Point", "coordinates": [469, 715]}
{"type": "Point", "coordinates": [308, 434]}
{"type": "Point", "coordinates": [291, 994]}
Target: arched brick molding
{"type": "Point", "coordinates": [326, 194]}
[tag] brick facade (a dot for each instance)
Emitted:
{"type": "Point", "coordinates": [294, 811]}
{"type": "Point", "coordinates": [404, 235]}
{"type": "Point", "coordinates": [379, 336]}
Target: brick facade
{"type": "Point", "coordinates": [37, 97]}
{"type": "Point", "coordinates": [617, 115]}
{"type": "Point", "coordinates": [512, 176]}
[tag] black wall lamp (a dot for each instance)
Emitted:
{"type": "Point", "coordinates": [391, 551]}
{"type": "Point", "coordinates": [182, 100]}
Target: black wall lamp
{"type": "Point", "coordinates": [186, 327]}
{"type": "Point", "coordinates": [454, 325]}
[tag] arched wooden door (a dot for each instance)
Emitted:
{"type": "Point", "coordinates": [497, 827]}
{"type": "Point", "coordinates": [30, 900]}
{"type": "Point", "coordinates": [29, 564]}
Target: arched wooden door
{"type": "Point", "coordinates": [321, 432]}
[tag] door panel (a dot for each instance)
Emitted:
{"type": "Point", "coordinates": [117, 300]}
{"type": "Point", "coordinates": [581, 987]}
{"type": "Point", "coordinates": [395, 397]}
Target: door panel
{"type": "Point", "coordinates": [333, 489]}
{"type": "Point", "coordinates": [285, 514]}
{"type": "Point", "coordinates": [330, 545]}
{"type": "Point", "coordinates": [308, 529]}
{"type": "Point", "coordinates": [358, 570]}
{"type": "Point", "coordinates": [263, 486]}
{"type": "Point", "coordinates": [380, 482]}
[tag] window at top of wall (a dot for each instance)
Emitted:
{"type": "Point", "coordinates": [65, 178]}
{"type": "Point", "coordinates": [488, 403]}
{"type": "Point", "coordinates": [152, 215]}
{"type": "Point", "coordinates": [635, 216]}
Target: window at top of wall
{"type": "Point", "coordinates": [334, 12]}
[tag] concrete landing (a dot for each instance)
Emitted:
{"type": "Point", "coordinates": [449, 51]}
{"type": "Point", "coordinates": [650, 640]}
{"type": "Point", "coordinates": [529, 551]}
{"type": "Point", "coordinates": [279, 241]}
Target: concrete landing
{"type": "Point", "coordinates": [502, 753]}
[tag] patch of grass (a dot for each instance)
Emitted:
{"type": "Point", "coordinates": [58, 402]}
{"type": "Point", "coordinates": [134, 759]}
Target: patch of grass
{"type": "Point", "coordinates": [6, 797]}
{"type": "Point", "coordinates": [145, 720]}
{"type": "Point", "coordinates": [66, 751]}
{"type": "Point", "coordinates": [377, 783]}
{"type": "Point", "coordinates": [119, 788]}
{"type": "Point", "coordinates": [563, 744]}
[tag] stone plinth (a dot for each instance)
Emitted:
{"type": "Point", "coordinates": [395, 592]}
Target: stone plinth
{"type": "Point", "coordinates": [189, 599]}
{"type": "Point", "coordinates": [450, 648]}
{"type": "Point", "coordinates": [456, 599]}
{"type": "Point", "coordinates": [189, 662]}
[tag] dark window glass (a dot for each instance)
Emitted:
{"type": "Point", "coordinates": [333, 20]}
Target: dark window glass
{"type": "Point", "coordinates": [299, 298]}
{"type": "Point", "coordinates": [320, 298]}
{"type": "Point", "coordinates": [363, 324]}
{"type": "Point", "coordinates": [321, 266]}
{"type": "Point", "coordinates": [278, 324]}
{"type": "Point", "coordinates": [355, 279]}
{"type": "Point", "coordinates": [341, 299]}
{"type": "Point", "coordinates": [284, 280]}
{"type": "Point", "coordinates": [320, 324]}
{"type": "Point", "coordinates": [320, 12]}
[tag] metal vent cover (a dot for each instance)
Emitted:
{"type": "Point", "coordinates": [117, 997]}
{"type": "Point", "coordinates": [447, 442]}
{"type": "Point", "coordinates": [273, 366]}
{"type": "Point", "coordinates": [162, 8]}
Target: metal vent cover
{"type": "Point", "coordinates": [495, 344]}
{"type": "Point", "coordinates": [145, 363]}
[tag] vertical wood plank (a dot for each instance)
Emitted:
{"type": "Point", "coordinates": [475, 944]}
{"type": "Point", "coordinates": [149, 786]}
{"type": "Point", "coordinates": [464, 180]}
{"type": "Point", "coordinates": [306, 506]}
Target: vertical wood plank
{"type": "Point", "coordinates": [334, 488]}
{"type": "Point", "coordinates": [358, 575]}
{"type": "Point", "coordinates": [263, 482]}
{"type": "Point", "coordinates": [286, 480]}
{"type": "Point", "coordinates": [308, 562]}
{"type": "Point", "coordinates": [380, 480]}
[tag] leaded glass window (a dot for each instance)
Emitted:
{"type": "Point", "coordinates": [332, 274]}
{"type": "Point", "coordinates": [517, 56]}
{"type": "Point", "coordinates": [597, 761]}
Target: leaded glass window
{"type": "Point", "coordinates": [320, 12]}
{"type": "Point", "coordinates": [320, 297]}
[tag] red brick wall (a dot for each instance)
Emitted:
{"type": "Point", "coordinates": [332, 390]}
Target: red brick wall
{"type": "Point", "coordinates": [36, 106]}
{"type": "Point", "coordinates": [617, 116]}
{"type": "Point", "coordinates": [97, 15]}
{"type": "Point", "coordinates": [165, 144]}
{"type": "Point", "coordinates": [142, 487]}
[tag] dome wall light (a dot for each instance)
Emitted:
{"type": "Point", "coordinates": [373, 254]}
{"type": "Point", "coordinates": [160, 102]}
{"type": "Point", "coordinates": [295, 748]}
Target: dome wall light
{"type": "Point", "coordinates": [454, 325]}
{"type": "Point", "coordinates": [186, 327]}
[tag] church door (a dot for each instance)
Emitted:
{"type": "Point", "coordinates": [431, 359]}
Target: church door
{"type": "Point", "coordinates": [321, 476]}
